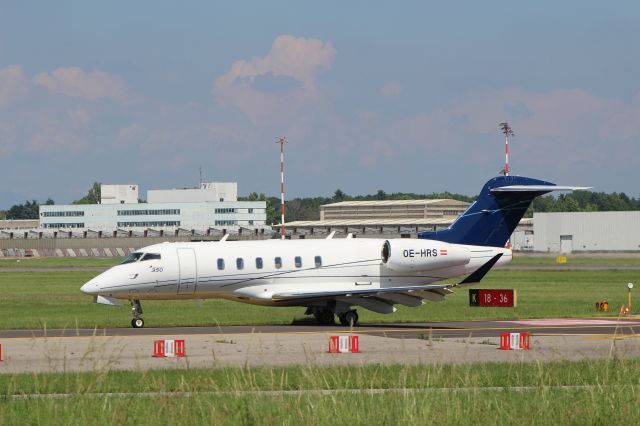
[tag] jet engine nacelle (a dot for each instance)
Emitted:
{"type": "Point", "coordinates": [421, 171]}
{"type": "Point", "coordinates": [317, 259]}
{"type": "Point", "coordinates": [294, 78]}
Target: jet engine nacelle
{"type": "Point", "coordinates": [410, 255]}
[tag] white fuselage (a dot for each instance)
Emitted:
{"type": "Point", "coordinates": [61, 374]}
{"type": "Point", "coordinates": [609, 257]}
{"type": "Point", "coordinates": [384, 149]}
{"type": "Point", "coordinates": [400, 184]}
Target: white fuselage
{"type": "Point", "coordinates": [255, 271]}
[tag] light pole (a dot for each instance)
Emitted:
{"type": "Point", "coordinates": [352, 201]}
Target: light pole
{"type": "Point", "coordinates": [507, 131]}
{"type": "Point", "coordinates": [629, 286]}
{"type": "Point", "coordinates": [282, 141]}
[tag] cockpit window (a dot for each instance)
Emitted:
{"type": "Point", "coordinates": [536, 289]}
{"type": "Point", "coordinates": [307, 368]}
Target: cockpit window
{"type": "Point", "coordinates": [151, 256]}
{"type": "Point", "coordinates": [133, 257]}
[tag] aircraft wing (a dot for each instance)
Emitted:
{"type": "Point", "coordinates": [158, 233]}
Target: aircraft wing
{"type": "Point", "coordinates": [357, 292]}
{"type": "Point", "coordinates": [380, 300]}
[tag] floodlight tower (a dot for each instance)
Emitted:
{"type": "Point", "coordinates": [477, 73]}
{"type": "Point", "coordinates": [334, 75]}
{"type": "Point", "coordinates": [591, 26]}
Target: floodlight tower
{"type": "Point", "coordinates": [506, 130]}
{"type": "Point", "coordinates": [282, 141]}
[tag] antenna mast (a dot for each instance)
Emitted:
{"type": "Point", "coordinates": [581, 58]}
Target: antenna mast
{"type": "Point", "coordinates": [507, 131]}
{"type": "Point", "coordinates": [282, 141]}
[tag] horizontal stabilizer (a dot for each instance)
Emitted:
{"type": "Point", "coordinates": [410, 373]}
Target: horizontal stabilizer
{"type": "Point", "coordinates": [538, 188]}
{"type": "Point", "coordinates": [479, 273]}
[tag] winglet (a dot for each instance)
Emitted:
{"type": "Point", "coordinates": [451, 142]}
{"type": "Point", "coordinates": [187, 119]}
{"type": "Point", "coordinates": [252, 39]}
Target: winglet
{"type": "Point", "coordinates": [479, 273]}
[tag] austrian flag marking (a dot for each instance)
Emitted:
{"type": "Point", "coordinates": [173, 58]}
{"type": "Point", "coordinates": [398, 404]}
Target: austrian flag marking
{"type": "Point", "coordinates": [443, 252]}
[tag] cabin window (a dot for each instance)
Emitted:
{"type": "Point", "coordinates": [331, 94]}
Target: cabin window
{"type": "Point", "coordinates": [298, 261]}
{"type": "Point", "coordinates": [278, 262]}
{"type": "Point", "coordinates": [221, 264]}
{"type": "Point", "coordinates": [259, 262]}
{"type": "Point", "coordinates": [133, 257]}
{"type": "Point", "coordinates": [151, 256]}
{"type": "Point", "coordinates": [240, 263]}
{"type": "Point", "coordinates": [318, 261]}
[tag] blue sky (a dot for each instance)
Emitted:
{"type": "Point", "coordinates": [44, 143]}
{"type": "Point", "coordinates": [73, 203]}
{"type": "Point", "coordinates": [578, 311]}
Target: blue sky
{"type": "Point", "coordinates": [401, 96]}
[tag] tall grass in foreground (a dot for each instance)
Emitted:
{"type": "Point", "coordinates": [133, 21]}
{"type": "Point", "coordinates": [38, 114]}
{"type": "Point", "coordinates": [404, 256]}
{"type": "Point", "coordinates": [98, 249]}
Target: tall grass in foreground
{"type": "Point", "coordinates": [595, 392]}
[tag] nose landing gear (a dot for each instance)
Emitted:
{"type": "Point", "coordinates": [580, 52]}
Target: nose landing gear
{"type": "Point", "coordinates": [136, 311]}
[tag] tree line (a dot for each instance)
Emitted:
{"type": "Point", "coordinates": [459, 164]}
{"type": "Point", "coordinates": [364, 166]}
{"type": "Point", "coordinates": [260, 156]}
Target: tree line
{"type": "Point", "coordinates": [308, 208]}
{"type": "Point", "coordinates": [30, 209]}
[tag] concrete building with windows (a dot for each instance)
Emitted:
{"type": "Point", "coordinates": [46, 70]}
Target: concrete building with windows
{"type": "Point", "coordinates": [193, 209]}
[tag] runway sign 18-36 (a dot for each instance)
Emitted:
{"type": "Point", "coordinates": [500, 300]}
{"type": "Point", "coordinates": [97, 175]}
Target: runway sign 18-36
{"type": "Point", "coordinates": [504, 298]}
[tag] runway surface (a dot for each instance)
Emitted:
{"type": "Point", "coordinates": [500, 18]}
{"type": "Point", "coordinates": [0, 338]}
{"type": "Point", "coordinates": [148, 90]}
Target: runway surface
{"type": "Point", "coordinates": [450, 329]}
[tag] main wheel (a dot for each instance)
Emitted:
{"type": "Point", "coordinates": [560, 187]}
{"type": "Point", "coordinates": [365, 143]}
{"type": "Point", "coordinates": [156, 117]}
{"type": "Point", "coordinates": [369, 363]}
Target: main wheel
{"type": "Point", "coordinates": [137, 323]}
{"type": "Point", "coordinates": [349, 318]}
{"type": "Point", "coordinates": [326, 317]}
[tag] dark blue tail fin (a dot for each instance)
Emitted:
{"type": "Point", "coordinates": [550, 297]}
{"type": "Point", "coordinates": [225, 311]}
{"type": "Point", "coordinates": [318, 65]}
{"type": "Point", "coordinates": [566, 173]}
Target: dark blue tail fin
{"type": "Point", "coordinates": [492, 218]}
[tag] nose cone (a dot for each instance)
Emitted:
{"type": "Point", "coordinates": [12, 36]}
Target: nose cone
{"type": "Point", "coordinates": [91, 287]}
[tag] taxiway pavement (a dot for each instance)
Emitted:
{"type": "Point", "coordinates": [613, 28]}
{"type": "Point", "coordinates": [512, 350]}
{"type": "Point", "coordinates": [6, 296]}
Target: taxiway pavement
{"type": "Point", "coordinates": [441, 342]}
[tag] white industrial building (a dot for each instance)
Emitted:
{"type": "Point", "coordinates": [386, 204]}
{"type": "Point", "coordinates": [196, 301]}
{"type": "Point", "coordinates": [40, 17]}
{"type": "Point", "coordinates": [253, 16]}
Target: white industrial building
{"type": "Point", "coordinates": [118, 194]}
{"type": "Point", "coordinates": [212, 206]}
{"type": "Point", "coordinates": [586, 231]}
{"type": "Point", "coordinates": [208, 192]}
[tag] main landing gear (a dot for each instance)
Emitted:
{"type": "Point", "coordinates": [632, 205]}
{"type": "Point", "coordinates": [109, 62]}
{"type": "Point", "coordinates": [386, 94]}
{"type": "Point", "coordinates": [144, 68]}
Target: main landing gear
{"type": "Point", "coordinates": [326, 316]}
{"type": "Point", "coordinates": [349, 318]}
{"type": "Point", "coordinates": [136, 311]}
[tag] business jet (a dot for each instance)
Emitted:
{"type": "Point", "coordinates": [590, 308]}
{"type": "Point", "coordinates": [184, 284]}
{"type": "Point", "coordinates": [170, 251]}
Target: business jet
{"type": "Point", "coordinates": [329, 276]}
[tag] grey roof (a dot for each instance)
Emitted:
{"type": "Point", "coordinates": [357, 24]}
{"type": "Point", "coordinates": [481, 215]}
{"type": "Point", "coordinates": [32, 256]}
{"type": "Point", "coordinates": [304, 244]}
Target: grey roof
{"type": "Point", "coordinates": [369, 222]}
{"type": "Point", "coordinates": [394, 203]}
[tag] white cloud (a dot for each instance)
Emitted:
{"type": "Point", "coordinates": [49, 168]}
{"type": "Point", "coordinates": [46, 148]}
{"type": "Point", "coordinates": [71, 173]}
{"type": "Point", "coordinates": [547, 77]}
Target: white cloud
{"type": "Point", "coordinates": [296, 58]}
{"type": "Point", "coordinates": [13, 84]}
{"type": "Point", "coordinates": [76, 83]}
{"type": "Point", "coordinates": [559, 132]}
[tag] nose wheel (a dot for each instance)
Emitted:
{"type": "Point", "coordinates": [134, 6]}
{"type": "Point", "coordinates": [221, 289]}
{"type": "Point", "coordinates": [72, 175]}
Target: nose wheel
{"type": "Point", "coordinates": [136, 311]}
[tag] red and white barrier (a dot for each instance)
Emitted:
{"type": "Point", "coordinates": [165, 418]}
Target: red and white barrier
{"type": "Point", "coordinates": [515, 341]}
{"type": "Point", "coordinates": [169, 348]}
{"type": "Point", "coordinates": [343, 344]}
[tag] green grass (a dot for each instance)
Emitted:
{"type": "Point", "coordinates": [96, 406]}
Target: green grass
{"type": "Point", "coordinates": [33, 300]}
{"type": "Point", "coordinates": [59, 262]}
{"type": "Point", "coordinates": [576, 260]}
{"type": "Point", "coordinates": [607, 392]}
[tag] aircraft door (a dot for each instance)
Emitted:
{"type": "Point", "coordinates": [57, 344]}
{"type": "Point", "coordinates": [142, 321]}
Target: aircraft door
{"type": "Point", "coordinates": [188, 271]}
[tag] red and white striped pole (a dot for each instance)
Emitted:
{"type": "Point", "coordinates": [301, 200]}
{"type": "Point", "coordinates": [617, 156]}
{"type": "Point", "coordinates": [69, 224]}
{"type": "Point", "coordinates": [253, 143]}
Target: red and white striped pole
{"type": "Point", "coordinates": [506, 129]}
{"type": "Point", "coordinates": [506, 155]}
{"type": "Point", "coordinates": [282, 141]}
